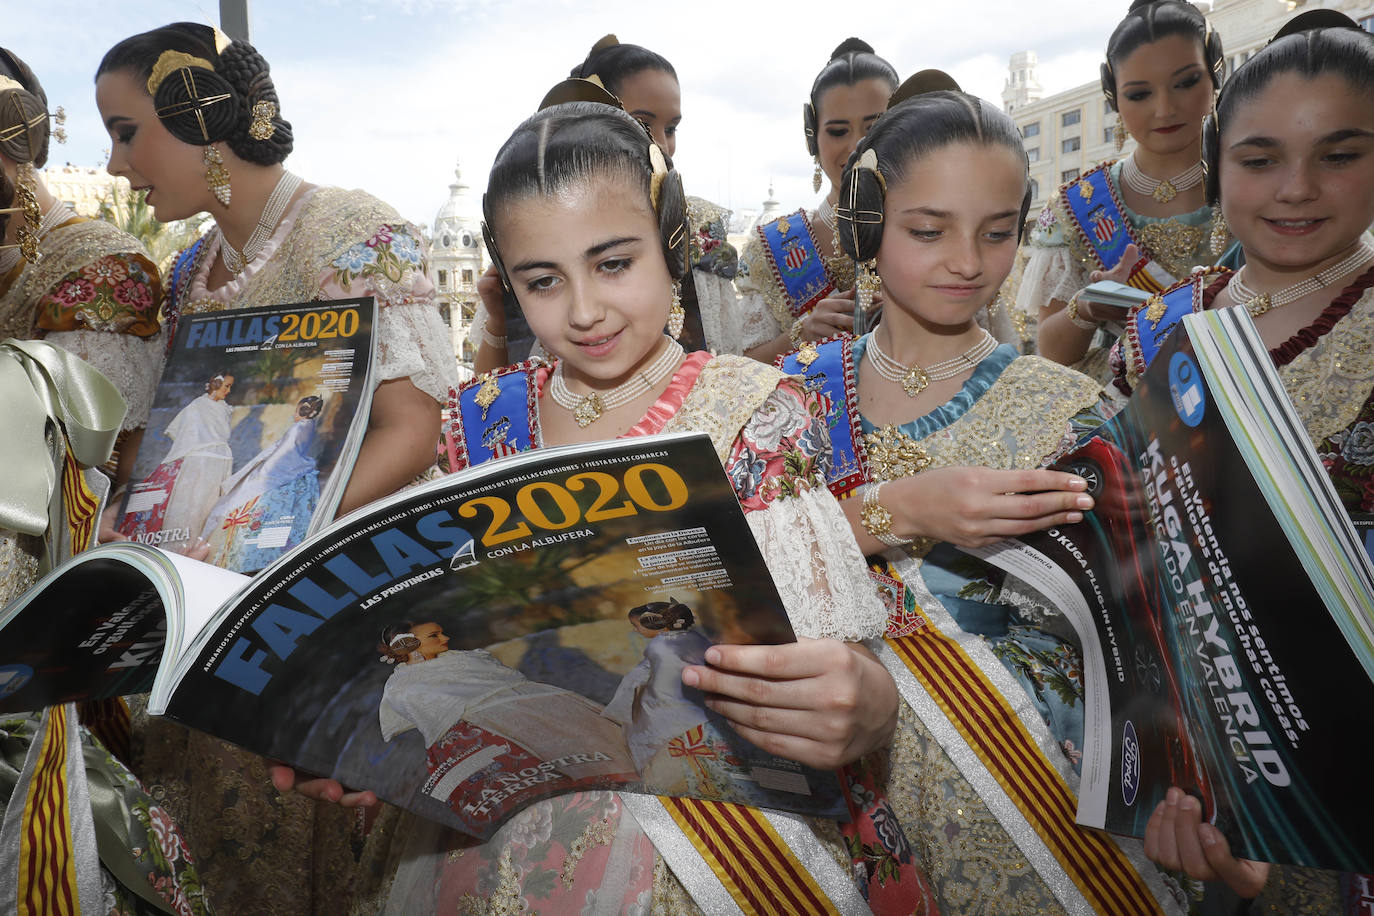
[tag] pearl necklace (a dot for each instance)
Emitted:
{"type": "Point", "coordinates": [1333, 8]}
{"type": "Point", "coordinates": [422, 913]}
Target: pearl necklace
{"type": "Point", "coordinates": [1162, 190]}
{"type": "Point", "coordinates": [827, 215]}
{"type": "Point", "coordinates": [236, 261]}
{"type": "Point", "coordinates": [57, 214]}
{"type": "Point", "coordinates": [1259, 303]}
{"type": "Point", "coordinates": [914, 379]}
{"type": "Point", "coordinates": [587, 409]}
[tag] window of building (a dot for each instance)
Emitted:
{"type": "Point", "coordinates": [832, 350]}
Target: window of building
{"type": "Point", "coordinates": [1071, 145]}
{"type": "Point", "coordinates": [1109, 135]}
{"type": "Point", "coordinates": [1033, 154]}
{"type": "Point", "coordinates": [467, 275]}
{"type": "Point", "coordinates": [1068, 175]}
{"type": "Point", "coordinates": [1031, 130]}
{"type": "Point", "coordinates": [1035, 189]}
{"type": "Point", "coordinates": [443, 279]}
{"type": "Point", "coordinates": [1367, 23]}
{"type": "Point", "coordinates": [1070, 118]}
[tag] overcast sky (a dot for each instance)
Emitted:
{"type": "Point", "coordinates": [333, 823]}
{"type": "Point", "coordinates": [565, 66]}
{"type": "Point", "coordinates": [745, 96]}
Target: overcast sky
{"type": "Point", "coordinates": [386, 94]}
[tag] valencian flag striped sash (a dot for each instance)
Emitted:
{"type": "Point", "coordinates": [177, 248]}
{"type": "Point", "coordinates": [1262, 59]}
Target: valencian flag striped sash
{"type": "Point", "coordinates": [1106, 879]}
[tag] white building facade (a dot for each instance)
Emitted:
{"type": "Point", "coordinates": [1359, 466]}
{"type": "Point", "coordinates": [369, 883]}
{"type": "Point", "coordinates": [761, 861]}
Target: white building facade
{"type": "Point", "coordinates": [1070, 132]}
{"type": "Point", "coordinates": [457, 259]}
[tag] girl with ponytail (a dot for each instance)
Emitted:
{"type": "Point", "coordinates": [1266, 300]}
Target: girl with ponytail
{"type": "Point", "coordinates": [1142, 219]}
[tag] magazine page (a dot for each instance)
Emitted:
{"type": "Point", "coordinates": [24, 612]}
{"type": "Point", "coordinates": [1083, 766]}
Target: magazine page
{"type": "Point", "coordinates": [98, 625]}
{"type": "Point", "coordinates": [254, 427]}
{"type": "Point", "coordinates": [1224, 673]}
{"type": "Point", "coordinates": [509, 633]}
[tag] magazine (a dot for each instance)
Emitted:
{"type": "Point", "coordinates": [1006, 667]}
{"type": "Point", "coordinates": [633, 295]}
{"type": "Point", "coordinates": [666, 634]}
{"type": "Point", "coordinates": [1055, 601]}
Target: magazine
{"type": "Point", "coordinates": [1225, 604]}
{"type": "Point", "coordinates": [464, 647]}
{"type": "Point", "coordinates": [253, 432]}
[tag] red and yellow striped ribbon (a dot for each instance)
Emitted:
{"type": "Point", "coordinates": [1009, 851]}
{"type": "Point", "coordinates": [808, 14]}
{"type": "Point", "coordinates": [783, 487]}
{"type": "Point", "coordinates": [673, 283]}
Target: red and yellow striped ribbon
{"type": "Point", "coordinates": [756, 866]}
{"type": "Point", "coordinates": [982, 716]}
{"type": "Point", "coordinates": [82, 508]}
{"type": "Point", "coordinates": [47, 869]}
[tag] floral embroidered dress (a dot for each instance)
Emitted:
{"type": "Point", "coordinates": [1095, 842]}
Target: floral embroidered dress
{"type": "Point", "coordinates": [96, 295]}
{"type": "Point", "coordinates": [968, 638]}
{"type": "Point", "coordinates": [1058, 261]}
{"type": "Point", "coordinates": [601, 852]}
{"type": "Point", "coordinates": [260, 852]}
{"type": "Point", "coordinates": [1327, 369]}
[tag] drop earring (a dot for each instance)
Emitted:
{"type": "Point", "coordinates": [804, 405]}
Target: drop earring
{"type": "Point", "coordinates": [1220, 232]}
{"type": "Point", "coordinates": [1119, 133]}
{"type": "Point", "coordinates": [816, 176]}
{"type": "Point", "coordinates": [216, 175]}
{"type": "Point", "coordinates": [676, 313]}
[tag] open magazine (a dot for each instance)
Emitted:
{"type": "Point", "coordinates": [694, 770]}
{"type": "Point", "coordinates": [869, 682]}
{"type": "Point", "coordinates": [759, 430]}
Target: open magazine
{"type": "Point", "coordinates": [464, 647]}
{"type": "Point", "coordinates": [1226, 609]}
{"type": "Point", "coordinates": [254, 430]}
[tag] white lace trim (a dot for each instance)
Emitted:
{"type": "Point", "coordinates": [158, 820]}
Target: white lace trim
{"type": "Point", "coordinates": [1051, 273]}
{"type": "Point", "coordinates": [820, 573]}
{"type": "Point", "coordinates": [133, 364]}
{"type": "Point", "coordinates": [757, 324]}
{"type": "Point", "coordinates": [413, 342]}
{"type": "Point", "coordinates": [720, 314]}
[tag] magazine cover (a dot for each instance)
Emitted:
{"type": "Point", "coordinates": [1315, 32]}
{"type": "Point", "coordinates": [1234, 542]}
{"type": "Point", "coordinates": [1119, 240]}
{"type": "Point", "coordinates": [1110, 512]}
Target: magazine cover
{"type": "Point", "coordinates": [252, 431]}
{"type": "Point", "coordinates": [1211, 661]}
{"type": "Point", "coordinates": [506, 634]}
{"type": "Point", "coordinates": [100, 624]}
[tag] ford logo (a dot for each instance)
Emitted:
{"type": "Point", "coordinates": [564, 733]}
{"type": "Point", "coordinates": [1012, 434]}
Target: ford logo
{"type": "Point", "coordinates": [1130, 764]}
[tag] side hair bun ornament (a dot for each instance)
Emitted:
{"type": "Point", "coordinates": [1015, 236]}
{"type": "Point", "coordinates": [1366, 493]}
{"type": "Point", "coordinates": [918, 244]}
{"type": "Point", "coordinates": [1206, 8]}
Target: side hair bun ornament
{"type": "Point", "coordinates": [197, 104]}
{"type": "Point", "coordinates": [922, 82]}
{"type": "Point", "coordinates": [867, 281]}
{"type": "Point", "coordinates": [659, 166]}
{"type": "Point", "coordinates": [579, 89]}
{"type": "Point", "coordinates": [400, 644]}
{"type": "Point", "coordinates": [606, 41]}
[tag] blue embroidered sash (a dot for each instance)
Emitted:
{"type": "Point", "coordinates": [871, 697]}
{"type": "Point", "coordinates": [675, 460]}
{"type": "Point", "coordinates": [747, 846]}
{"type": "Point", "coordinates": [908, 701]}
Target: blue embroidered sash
{"type": "Point", "coordinates": [797, 265]}
{"type": "Point", "coordinates": [828, 369]}
{"type": "Point", "coordinates": [1150, 323]}
{"type": "Point", "coordinates": [1100, 220]}
{"type": "Point", "coordinates": [495, 416]}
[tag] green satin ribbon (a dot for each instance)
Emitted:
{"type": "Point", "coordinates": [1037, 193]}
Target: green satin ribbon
{"type": "Point", "coordinates": [51, 400]}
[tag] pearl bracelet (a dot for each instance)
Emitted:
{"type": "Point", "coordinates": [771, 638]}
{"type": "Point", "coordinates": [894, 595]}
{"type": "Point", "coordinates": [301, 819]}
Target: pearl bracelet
{"type": "Point", "coordinates": [876, 520]}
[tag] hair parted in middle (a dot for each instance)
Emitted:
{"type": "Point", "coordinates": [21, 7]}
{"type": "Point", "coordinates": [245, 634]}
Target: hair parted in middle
{"type": "Point", "coordinates": [1310, 44]}
{"type": "Point", "coordinates": [573, 142]}
{"type": "Point", "coordinates": [852, 61]}
{"type": "Point", "coordinates": [904, 134]}
{"type": "Point", "coordinates": [1146, 22]}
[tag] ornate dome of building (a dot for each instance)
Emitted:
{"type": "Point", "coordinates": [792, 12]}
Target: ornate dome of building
{"type": "Point", "coordinates": [458, 224]}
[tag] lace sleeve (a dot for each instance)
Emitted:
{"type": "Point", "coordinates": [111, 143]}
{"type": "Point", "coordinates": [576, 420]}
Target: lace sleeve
{"type": "Point", "coordinates": [1051, 273]}
{"type": "Point", "coordinates": [133, 364]}
{"type": "Point", "coordinates": [412, 341]}
{"type": "Point", "coordinates": [720, 314]}
{"type": "Point", "coordinates": [820, 573]}
{"type": "Point", "coordinates": [758, 321]}
{"type": "Point", "coordinates": [777, 468]}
